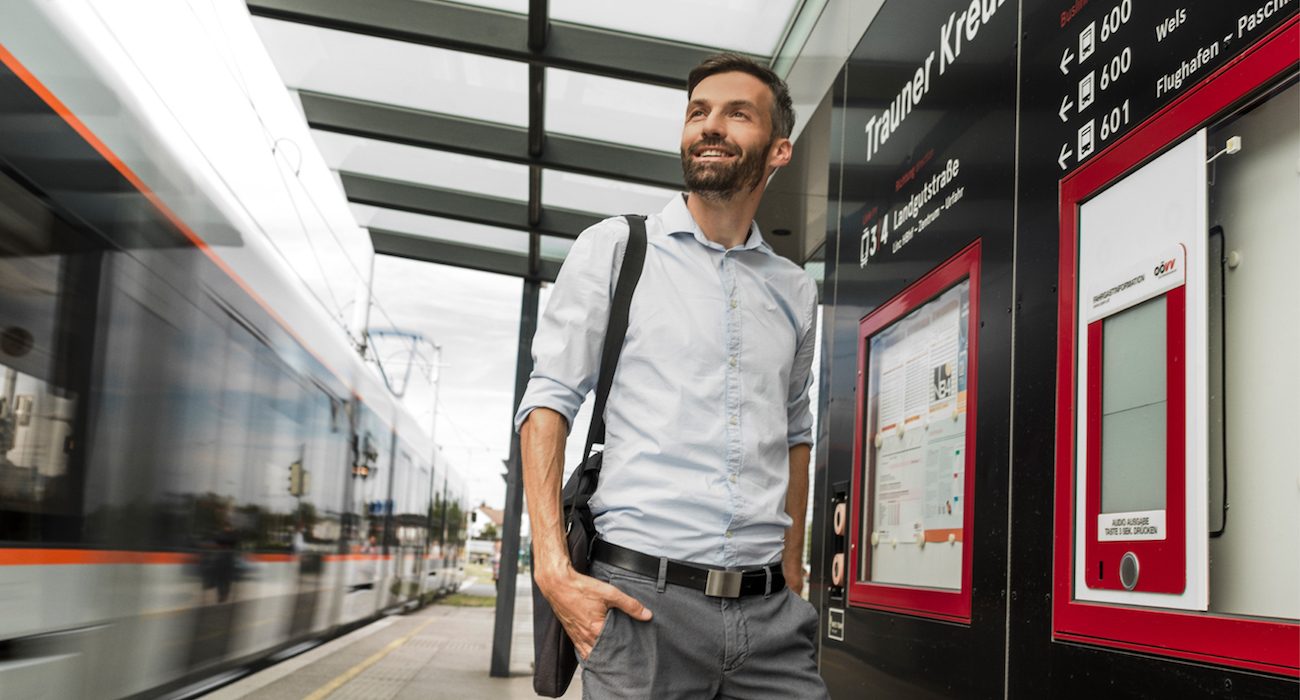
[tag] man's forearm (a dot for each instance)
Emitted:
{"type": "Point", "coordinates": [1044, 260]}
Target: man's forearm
{"type": "Point", "coordinates": [796, 506]}
{"type": "Point", "coordinates": [541, 448]}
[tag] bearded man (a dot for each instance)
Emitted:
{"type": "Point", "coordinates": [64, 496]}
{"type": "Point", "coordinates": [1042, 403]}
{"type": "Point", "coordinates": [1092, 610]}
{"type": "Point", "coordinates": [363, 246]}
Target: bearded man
{"type": "Point", "coordinates": [700, 507]}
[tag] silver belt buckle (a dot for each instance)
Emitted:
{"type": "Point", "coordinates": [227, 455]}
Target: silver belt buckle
{"type": "Point", "coordinates": [723, 584]}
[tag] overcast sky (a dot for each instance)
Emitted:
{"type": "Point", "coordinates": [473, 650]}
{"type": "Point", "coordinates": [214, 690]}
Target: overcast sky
{"type": "Point", "coordinates": [474, 317]}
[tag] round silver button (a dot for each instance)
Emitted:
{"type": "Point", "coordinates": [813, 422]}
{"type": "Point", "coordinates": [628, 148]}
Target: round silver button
{"type": "Point", "coordinates": [1128, 571]}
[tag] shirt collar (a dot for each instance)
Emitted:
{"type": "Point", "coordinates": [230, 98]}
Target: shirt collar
{"type": "Point", "coordinates": [677, 219]}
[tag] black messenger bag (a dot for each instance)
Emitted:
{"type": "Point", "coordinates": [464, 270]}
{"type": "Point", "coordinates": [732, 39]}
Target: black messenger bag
{"type": "Point", "coordinates": [555, 659]}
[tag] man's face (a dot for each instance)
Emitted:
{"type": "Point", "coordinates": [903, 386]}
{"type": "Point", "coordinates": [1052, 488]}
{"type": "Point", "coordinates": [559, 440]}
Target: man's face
{"type": "Point", "coordinates": [727, 139]}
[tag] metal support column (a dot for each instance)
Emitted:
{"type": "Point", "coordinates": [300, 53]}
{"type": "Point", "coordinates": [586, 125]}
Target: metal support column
{"type": "Point", "coordinates": [538, 28]}
{"type": "Point", "coordinates": [505, 609]}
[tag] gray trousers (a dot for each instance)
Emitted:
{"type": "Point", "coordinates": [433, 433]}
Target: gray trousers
{"type": "Point", "coordinates": [701, 647]}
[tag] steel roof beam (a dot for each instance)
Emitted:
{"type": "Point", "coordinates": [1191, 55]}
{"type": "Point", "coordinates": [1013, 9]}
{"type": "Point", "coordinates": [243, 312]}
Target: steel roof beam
{"type": "Point", "coordinates": [404, 245]}
{"type": "Point", "coordinates": [498, 34]}
{"type": "Point", "coordinates": [450, 204]}
{"type": "Point", "coordinates": [487, 140]}
{"type": "Point", "coordinates": [539, 24]}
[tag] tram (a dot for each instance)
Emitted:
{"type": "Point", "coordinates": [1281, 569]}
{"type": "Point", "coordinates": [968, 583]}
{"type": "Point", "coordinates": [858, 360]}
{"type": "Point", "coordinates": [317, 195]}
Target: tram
{"type": "Point", "coordinates": [1057, 452]}
{"type": "Point", "coordinates": [197, 472]}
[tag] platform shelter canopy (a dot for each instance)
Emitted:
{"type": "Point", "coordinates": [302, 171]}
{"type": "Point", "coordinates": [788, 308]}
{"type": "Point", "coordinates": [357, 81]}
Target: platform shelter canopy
{"type": "Point", "coordinates": [487, 134]}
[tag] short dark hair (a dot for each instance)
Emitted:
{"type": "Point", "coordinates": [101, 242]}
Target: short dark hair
{"type": "Point", "coordinates": [782, 105]}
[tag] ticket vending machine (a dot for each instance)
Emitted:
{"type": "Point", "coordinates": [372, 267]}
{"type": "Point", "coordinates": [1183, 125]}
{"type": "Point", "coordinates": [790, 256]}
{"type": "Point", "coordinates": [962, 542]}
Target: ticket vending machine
{"type": "Point", "coordinates": [1179, 320]}
{"type": "Point", "coordinates": [1142, 406]}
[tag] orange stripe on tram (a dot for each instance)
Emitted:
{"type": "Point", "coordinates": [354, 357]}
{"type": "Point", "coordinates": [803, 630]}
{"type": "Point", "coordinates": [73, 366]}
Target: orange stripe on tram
{"type": "Point", "coordinates": [66, 557]}
{"type": "Point", "coordinates": [32, 82]}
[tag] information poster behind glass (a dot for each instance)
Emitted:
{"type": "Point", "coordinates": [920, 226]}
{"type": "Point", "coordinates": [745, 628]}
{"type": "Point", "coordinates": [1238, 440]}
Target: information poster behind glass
{"type": "Point", "coordinates": [916, 445]}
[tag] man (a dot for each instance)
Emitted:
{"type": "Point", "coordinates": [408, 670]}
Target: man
{"type": "Point", "coordinates": [708, 429]}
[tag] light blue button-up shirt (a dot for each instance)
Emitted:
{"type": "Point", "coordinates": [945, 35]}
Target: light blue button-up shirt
{"type": "Point", "coordinates": [710, 393]}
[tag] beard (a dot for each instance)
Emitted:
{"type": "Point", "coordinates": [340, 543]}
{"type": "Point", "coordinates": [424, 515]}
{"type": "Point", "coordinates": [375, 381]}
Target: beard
{"type": "Point", "coordinates": [721, 181]}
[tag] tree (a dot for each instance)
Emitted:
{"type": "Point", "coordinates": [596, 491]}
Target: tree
{"type": "Point", "coordinates": [490, 532]}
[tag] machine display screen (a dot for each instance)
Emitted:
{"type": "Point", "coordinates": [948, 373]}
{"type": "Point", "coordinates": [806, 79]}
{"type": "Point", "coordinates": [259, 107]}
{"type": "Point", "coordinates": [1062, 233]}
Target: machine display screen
{"type": "Point", "coordinates": [1134, 409]}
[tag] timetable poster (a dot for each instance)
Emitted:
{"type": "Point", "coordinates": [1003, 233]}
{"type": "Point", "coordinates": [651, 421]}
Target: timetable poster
{"type": "Point", "coordinates": [916, 394]}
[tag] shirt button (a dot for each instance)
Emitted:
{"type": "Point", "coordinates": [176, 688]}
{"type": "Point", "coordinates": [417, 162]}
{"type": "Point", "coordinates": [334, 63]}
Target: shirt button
{"type": "Point", "coordinates": [734, 303]}
{"type": "Point", "coordinates": [733, 420]}
{"type": "Point", "coordinates": [728, 534]}
{"type": "Point", "coordinates": [732, 360]}
{"type": "Point", "coordinates": [732, 478]}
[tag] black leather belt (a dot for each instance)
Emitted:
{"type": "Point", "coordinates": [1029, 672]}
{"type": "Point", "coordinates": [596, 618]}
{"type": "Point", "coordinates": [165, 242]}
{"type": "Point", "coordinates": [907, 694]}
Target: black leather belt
{"type": "Point", "coordinates": [719, 583]}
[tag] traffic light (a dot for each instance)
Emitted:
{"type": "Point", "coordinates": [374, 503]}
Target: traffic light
{"type": "Point", "coordinates": [298, 479]}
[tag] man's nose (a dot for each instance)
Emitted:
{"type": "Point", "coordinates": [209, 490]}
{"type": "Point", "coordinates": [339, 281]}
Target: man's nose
{"type": "Point", "coordinates": [715, 125]}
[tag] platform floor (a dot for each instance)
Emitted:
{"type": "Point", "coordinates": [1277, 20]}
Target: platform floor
{"type": "Point", "coordinates": [441, 651]}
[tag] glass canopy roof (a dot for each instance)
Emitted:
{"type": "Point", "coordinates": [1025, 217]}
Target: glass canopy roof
{"type": "Point", "coordinates": [617, 111]}
{"type": "Point", "coordinates": [750, 26]}
{"type": "Point", "coordinates": [412, 94]}
{"type": "Point", "coordinates": [423, 166]}
{"type": "Point", "coordinates": [448, 230]}
{"type": "Point", "coordinates": [397, 72]}
{"type": "Point", "coordinates": [555, 248]}
{"type": "Point", "coordinates": [600, 195]}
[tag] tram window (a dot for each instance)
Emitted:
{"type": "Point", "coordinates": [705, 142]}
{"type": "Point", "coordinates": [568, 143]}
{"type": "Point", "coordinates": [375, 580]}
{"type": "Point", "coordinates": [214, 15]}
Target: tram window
{"type": "Point", "coordinates": [177, 357]}
{"type": "Point", "coordinates": [438, 519]}
{"type": "Point", "coordinates": [277, 431]}
{"type": "Point", "coordinates": [217, 508]}
{"type": "Point", "coordinates": [370, 477]}
{"type": "Point", "coordinates": [323, 466]}
{"type": "Point", "coordinates": [47, 305]}
{"type": "Point", "coordinates": [423, 507]}
{"type": "Point", "coordinates": [403, 482]}
{"type": "Point", "coordinates": [417, 506]}
{"type": "Point", "coordinates": [154, 447]}
{"type": "Point", "coordinates": [457, 523]}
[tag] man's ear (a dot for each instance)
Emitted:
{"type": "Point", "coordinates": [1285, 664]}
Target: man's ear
{"type": "Point", "coordinates": [780, 155]}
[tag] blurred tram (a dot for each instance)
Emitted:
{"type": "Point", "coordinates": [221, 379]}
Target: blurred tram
{"type": "Point", "coordinates": [197, 473]}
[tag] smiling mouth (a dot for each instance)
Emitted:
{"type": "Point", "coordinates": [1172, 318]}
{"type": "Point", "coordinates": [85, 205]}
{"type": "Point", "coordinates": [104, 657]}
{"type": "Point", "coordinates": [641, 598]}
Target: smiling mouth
{"type": "Point", "coordinates": [711, 154]}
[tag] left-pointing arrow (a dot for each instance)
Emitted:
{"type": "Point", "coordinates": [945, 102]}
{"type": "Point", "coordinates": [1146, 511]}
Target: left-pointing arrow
{"type": "Point", "coordinates": [1065, 62]}
{"type": "Point", "coordinates": [1066, 104]}
{"type": "Point", "coordinates": [1065, 154]}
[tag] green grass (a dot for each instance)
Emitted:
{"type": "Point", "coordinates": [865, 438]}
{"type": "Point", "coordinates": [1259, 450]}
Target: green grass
{"type": "Point", "coordinates": [469, 601]}
{"type": "Point", "coordinates": [479, 571]}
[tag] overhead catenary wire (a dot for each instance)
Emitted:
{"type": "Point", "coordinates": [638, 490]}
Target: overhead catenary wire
{"type": "Point", "coordinates": [216, 172]}
{"type": "Point", "coordinates": [237, 75]}
{"type": "Point", "coordinates": [233, 69]}
{"type": "Point", "coordinates": [231, 66]}
{"type": "Point", "coordinates": [464, 434]}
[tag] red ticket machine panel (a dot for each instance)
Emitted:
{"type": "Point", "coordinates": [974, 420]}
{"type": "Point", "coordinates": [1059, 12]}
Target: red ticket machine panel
{"type": "Point", "coordinates": [1140, 469]}
{"type": "Point", "coordinates": [1136, 400]}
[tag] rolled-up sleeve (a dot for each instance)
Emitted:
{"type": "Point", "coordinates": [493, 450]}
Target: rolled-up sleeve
{"type": "Point", "coordinates": [567, 345]}
{"type": "Point", "coordinates": [799, 414]}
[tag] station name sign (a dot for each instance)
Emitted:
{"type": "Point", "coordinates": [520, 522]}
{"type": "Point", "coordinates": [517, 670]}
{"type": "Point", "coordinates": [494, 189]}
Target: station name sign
{"type": "Point", "coordinates": [960, 28]}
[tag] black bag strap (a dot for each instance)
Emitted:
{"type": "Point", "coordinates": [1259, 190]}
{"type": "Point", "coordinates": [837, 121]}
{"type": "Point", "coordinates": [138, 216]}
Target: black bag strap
{"type": "Point", "coordinates": [629, 274]}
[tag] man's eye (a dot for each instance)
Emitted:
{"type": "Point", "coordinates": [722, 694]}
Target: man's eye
{"type": "Point", "coordinates": [740, 115]}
